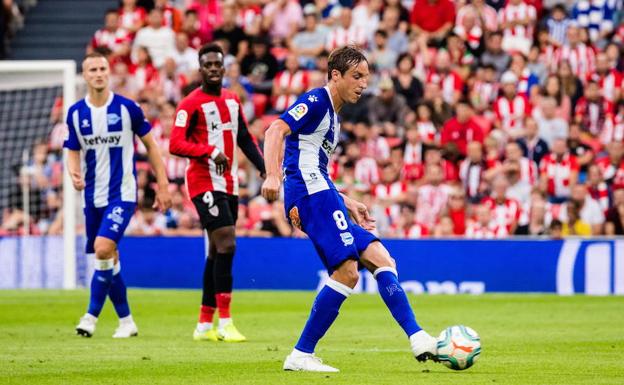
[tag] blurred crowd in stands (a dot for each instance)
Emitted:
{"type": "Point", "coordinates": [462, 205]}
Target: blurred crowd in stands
{"type": "Point", "coordinates": [483, 118]}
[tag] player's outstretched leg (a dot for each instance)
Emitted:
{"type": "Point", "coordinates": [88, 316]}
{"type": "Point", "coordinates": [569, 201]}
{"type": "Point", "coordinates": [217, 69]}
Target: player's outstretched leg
{"type": "Point", "coordinates": [119, 297]}
{"type": "Point", "coordinates": [100, 284]}
{"type": "Point", "coordinates": [423, 345]}
{"type": "Point", "coordinates": [225, 243]}
{"type": "Point", "coordinates": [204, 330]}
{"type": "Point", "coordinates": [324, 312]}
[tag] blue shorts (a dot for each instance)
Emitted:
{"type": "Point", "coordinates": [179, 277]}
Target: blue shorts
{"type": "Point", "coordinates": [108, 222]}
{"type": "Point", "coordinates": [324, 218]}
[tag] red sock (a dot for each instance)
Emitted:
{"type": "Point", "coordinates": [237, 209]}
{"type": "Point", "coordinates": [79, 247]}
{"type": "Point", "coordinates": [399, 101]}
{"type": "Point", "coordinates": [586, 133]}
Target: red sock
{"type": "Point", "coordinates": [206, 313]}
{"type": "Point", "coordinates": [223, 304]}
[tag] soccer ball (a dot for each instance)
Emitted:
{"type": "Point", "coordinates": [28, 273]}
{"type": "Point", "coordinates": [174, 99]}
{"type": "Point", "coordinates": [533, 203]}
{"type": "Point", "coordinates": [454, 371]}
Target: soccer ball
{"type": "Point", "coordinates": [458, 347]}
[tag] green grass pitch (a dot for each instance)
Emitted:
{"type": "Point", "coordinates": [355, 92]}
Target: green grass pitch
{"type": "Point", "coordinates": [526, 339]}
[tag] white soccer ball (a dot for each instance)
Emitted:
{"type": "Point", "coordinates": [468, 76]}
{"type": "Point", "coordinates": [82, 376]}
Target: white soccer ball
{"type": "Point", "coordinates": [458, 347]}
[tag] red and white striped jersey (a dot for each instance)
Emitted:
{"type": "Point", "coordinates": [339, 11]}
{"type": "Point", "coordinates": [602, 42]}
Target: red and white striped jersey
{"type": "Point", "coordinates": [613, 129]}
{"type": "Point", "coordinates": [609, 83]}
{"type": "Point", "coordinates": [601, 194]}
{"type": "Point", "coordinates": [511, 113]}
{"type": "Point", "coordinates": [486, 92]}
{"type": "Point", "coordinates": [413, 153]}
{"type": "Point", "coordinates": [415, 231]}
{"type": "Point", "coordinates": [431, 200]}
{"type": "Point", "coordinates": [286, 79]}
{"type": "Point", "coordinates": [339, 37]}
{"type": "Point", "coordinates": [523, 82]}
{"type": "Point", "coordinates": [144, 76]}
{"type": "Point", "coordinates": [367, 171]}
{"type": "Point", "coordinates": [449, 83]}
{"type": "Point", "coordinates": [112, 40]}
{"type": "Point", "coordinates": [427, 131]}
{"type": "Point", "coordinates": [130, 19]}
{"type": "Point", "coordinates": [520, 12]}
{"type": "Point", "coordinates": [529, 171]}
{"type": "Point", "coordinates": [548, 54]}
{"type": "Point", "coordinates": [593, 114]}
{"type": "Point", "coordinates": [581, 58]}
{"type": "Point", "coordinates": [612, 173]}
{"type": "Point", "coordinates": [389, 191]}
{"type": "Point", "coordinates": [476, 230]}
{"type": "Point", "coordinates": [204, 123]}
{"type": "Point", "coordinates": [504, 214]}
{"type": "Point", "coordinates": [559, 173]}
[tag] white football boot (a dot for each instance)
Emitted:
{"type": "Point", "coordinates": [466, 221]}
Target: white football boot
{"type": "Point", "coordinates": [127, 328]}
{"type": "Point", "coordinates": [306, 362]}
{"type": "Point", "coordinates": [86, 326]}
{"type": "Point", "coordinates": [424, 346]}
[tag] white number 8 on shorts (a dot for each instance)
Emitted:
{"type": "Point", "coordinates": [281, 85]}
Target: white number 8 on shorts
{"type": "Point", "coordinates": [341, 221]}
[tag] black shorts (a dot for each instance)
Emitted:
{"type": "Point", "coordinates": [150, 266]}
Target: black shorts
{"type": "Point", "coordinates": [216, 209]}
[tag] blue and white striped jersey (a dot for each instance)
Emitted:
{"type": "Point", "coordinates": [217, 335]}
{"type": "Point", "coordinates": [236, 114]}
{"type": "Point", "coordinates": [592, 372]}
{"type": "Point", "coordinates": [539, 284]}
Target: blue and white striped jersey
{"type": "Point", "coordinates": [106, 137]}
{"type": "Point", "coordinates": [314, 135]}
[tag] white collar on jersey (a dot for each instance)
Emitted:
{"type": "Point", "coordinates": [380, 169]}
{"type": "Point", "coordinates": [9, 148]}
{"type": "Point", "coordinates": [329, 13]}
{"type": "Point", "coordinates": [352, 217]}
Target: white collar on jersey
{"type": "Point", "coordinates": [108, 101]}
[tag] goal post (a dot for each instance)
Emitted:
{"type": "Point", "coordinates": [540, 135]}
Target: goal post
{"type": "Point", "coordinates": [26, 84]}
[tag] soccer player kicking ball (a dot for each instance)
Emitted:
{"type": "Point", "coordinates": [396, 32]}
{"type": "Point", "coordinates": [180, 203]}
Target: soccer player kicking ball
{"type": "Point", "coordinates": [311, 130]}
{"type": "Point", "coordinates": [100, 141]}
{"type": "Point", "coordinates": [209, 124]}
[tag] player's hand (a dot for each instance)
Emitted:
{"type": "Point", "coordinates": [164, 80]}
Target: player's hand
{"type": "Point", "coordinates": [359, 213]}
{"type": "Point", "coordinates": [77, 181]}
{"type": "Point", "coordinates": [222, 163]}
{"type": "Point", "coordinates": [163, 200]}
{"type": "Point", "coordinates": [270, 188]}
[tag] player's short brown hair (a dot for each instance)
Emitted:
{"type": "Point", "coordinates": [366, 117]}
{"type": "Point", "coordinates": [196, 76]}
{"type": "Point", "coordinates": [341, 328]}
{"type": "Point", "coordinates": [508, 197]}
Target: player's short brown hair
{"type": "Point", "coordinates": [94, 54]}
{"type": "Point", "coordinates": [343, 58]}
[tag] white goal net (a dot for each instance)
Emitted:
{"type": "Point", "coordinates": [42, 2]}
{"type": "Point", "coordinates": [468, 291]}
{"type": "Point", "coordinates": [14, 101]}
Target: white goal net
{"type": "Point", "coordinates": [38, 215]}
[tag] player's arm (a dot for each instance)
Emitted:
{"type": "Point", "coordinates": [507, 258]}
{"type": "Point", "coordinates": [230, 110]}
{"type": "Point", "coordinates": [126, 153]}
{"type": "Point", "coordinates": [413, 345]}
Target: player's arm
{"type": "Point", "coordinates": [163, 198]}
{"type": "Point", "coordinates": [359, 213]}
{"type": "Point", "coordinates": [180, 145]}
{"type": "Point", "coordinates": [274, 155]}
{"type": "Point", "coordinates": [73, 167]}
{"type": "Point", "coordinates": [248, 144]}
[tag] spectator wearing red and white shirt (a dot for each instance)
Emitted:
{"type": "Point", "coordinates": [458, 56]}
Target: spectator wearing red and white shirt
{"type": "Point", "coordinates": [558, 171]}
{"type": "Point", "coordinates": [608, 79]}
{"type": "Point", "coordinates": [517, 19]}
{"type": "Point", "coordinates": [469, 29]}
{"type": "Point", "coordinates": [483, 227]}
{"type": "Point", "coordinates": [613, 129]}
{"type": "Point", "coordinates": [449, 81]}
{"type": "Point", "coordinates": [172, 17]}
{"type": "Point", "coordinates": [391, 192]}
{"type": "Point", "coordinates": [593, 110]}
{"type": "Point", "coordinates": [144, 74]}
{"type": "Point", "coordinates": [289, 84]}
{"type": "Point", "coordinates": [511, 108]}
{"type": "Point", "coordinates": [413, 154]}
{"type": "Point", "coordinates": [190, 27]}
{"type": "Point", "coordinates": [209, 15]}
{"type": "Point", "coordinates": [433, 155]}
{"type": "Point", "coordinates": [461, 129]}
{"type": "Point", "coordinates": [580, 56]}
{"type": "Point", "coordinates": [506, 211]}
{"type": "Point", "coordinates": [484, 90]}
{"type": "Point", "coordinates": [486, 16]}
{"type": "Point", "coordinates": [346, 32]}
{"type": "Point", "coordinates": [131, 16]}
{"type": "Point", "coordinates": [526, 79]}
{"type": "Point", "coordinates": [113, 37]}
{"type": "Point", "coordinates": [590, 210]}
{"type": "Point", "coordinates": [612, 165]}
{"type": "Point", "coordinates": [529, 171]}
{"type": "Point", "coordinates": [432, 196]}
{"type": "Point", "coordinates": [597, 187]}
{"type": "Point", "coordinates": [406, 226]}
{"type": "Point", "coordinates": [471, 172]}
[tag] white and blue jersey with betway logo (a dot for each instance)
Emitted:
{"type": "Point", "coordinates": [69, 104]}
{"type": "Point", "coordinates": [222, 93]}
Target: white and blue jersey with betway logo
{"type": "Point", "coordinates": [314, 135]}
{"type": "Point", "coordinates": [106, 137]}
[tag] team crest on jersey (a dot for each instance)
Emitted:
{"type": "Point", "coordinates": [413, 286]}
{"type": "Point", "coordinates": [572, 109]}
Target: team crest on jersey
{"type": "Point", "coordinates": [181, 118]}
{"type": "Point", "coordinates": [347, 238]}
{"type": "Point", "coordinates": [293, 214]}
{"type": "Point", "coordinates": [116, 215]}
{"type": "Point", "coordinates": [298, 111]}
{"type": "Point", "coordinates": [112, 119]}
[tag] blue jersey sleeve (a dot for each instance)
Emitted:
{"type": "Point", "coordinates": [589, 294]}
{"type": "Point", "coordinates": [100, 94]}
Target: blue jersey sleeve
{"type": "Point", "coordinates": [304, 116]}
{"type": "Point", "coordinates": [71, 138]}
{"type": "Point", "coordinates": [140, 125]}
